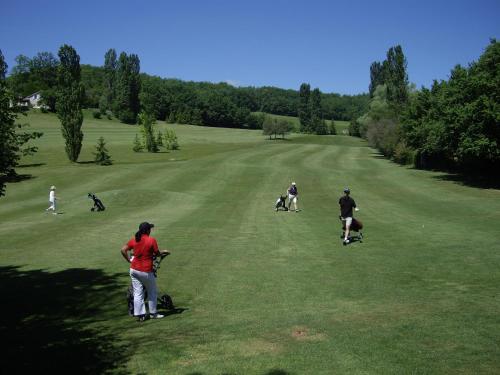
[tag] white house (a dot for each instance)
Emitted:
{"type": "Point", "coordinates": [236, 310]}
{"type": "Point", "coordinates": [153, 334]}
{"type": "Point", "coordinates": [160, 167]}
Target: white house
{"type": "Point", "coordinates": [33, 100]}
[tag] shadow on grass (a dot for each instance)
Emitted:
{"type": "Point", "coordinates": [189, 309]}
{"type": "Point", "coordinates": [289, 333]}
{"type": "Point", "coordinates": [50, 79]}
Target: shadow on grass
{"type": "Point", "coordinates": [30, 165]}
{"type": "Point", "coordinates": [47, 322]}
{"type": "Point", "coordinates": [270, 372]}
{"type": "Point", "coordinates": [16, 178]}
{"type": "Point", "coordinates": [86, 162]}
{"type": "Point", "coordinates": [482, 182]}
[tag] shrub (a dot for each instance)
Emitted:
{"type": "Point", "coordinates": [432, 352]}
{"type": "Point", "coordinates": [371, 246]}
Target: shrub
{"type": "Point", "coordinates": [138, 146]}
{"type": "Point", "coordinates": [101, 155]}
{"type": "Point", "coordinates": [96, 114]}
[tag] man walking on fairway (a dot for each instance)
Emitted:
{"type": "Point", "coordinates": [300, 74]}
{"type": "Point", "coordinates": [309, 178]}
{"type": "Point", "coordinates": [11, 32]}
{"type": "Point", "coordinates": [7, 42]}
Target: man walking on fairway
{"type": "Point", "coordinates": [346, 205]}
{"type": "Point", "coordinates": [292, 196]}
{"type": "Point", "coordinates": [52, 200]}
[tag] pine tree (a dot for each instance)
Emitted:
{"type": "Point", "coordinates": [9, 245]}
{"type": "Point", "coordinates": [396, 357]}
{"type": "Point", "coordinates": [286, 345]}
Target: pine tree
{"type": "Point", "coordinates": [70, 99]}
{"type": "Point", "coordinates": [159, 139]}
{"type": "Point", "coordinates": [138, 146]}
{"type": "Point", "coordinates": [101, 155]}
{"type": "Point", "coordinates": [171, 140]}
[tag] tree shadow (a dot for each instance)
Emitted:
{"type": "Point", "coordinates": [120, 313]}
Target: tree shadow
{"type": "Point", "coordinates": [270, 372]}
{"type": "Point", "coordinates": [30, 165]}
{"type": "Point", "coordinates": [86, 162]}
{"type": "Point", "coordinates": [15, 178]}
{"type": "Point", "coordinates": [482, 182]}
{"type": "Point", "coordinates": [48, 322]}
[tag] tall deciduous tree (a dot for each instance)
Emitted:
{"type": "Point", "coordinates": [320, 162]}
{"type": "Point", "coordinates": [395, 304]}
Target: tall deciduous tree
{"type": "Point", "coordinates": [11, 141]}
{"type": "Point", "coordinates": [304, 108]}
{"type": "Point", "coordinates": [317, 124]}
{"type": "Point", "coordinates": [69, 101]}
{"type": "Point", "coordinates": [396, 78]}
{"type": "Point", "coordinates": [108, 95]}
{"type": "Point", "coordinates": [376, 76]}
{"type": "Point", "coordinates": [128, 86]}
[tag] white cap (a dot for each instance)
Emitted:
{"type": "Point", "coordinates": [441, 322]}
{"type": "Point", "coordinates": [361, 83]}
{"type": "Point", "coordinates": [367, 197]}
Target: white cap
{"type": "Point", "coordinates": [293, 183]}
{"type": "Point", "coordinates": [52, 187]}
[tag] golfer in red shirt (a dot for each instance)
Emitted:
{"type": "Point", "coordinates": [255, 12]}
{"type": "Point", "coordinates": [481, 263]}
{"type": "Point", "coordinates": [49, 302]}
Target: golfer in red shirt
{"type": "Point", "coordinates": [141, 270]}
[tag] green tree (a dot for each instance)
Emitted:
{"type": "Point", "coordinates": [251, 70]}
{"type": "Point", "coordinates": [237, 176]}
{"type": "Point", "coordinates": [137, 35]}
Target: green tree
{"type": "Point", "coordinates": [304, 111]}
{"type": "Point", "coordinates": [128, 85]}
{"type": "Point", "coordinates": [138, 146]}
{"type": "Point", "coordinates": [108, 96]}
{"type": "Point", "coordinates": [283, 127]}
{"type": "Point", "coordinates": [171, 141]}
{"type": "Point", "coordinates": [69, 101]}
{"type": "Point", "coordinates": [333, 128]}
{"type": "Point", "coordinates": [159, 139]}
{"type": "Point", "coordinates": [376, 77]}
{"type": "Point", "coordinates": [101, 155]}
{"type": "Point", "coordinates": [12, 142]}
{"type": "Point", "coordinates": [396, 78]}
{"type": "Point", "coordinates": [147, 123]}
{"type": "Point", "coordinates": [317, 124]}
{"type": "Point", "coordinates": [455, 123]}
{"type": "Point", "coordinates": [37, 74]}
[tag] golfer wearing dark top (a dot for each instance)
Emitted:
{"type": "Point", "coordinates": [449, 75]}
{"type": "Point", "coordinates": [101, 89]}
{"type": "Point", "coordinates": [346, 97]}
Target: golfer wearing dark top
{"type": "Point", "coordinates": [292, 196]}
{"type": "Point", "coordinates": [346, 205]}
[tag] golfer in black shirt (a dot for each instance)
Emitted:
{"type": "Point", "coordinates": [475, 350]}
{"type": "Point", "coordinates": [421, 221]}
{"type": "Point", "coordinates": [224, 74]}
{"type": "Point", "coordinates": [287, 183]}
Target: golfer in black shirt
{"type": "Point", "coordinates": [346, 205]}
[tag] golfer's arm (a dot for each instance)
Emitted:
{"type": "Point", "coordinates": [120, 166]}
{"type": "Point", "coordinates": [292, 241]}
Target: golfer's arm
{"type": "Point", "coordinates": [124, 251]}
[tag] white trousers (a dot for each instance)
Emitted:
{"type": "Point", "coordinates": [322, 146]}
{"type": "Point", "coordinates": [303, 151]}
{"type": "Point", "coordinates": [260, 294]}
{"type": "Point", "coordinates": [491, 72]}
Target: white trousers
{"type": "Point", "coordinates": [52, 206]}
{"type": "Point", "coordinates": [148, 280]}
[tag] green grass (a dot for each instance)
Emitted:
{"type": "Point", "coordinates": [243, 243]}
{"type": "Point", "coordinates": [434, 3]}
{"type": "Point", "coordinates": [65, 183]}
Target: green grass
{"type": "Point", "coordinates": [263, 292]}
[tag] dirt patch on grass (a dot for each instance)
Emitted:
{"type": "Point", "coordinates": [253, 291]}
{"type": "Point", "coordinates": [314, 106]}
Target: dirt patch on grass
{"type": "Point", "coordinates": [305, 334]}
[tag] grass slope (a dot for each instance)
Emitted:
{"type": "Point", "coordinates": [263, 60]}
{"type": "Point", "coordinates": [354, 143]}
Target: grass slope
{"type": "Point", "coordinates": [261, 292]}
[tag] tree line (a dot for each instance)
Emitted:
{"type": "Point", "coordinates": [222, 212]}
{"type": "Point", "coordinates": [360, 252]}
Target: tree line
{"type": "Point", "coordinates": [120, 89]}
{"type": "Point", "coordinates": [454, 125]}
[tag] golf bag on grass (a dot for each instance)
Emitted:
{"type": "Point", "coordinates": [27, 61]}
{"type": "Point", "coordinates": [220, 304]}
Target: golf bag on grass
{"type": "Point", "coordinates": [280, 203]}
{"type": "Point", "coordinates": [164, 301]}
{"type": "Point", "coordinates": [98, 206]}
{"type": "Point", "coordinates": [356, 226]}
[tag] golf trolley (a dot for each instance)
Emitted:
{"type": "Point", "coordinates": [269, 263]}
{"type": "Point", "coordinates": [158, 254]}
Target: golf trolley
{"type": "Point", "coordinates": [164, 301]}
{"type": "Point", "coordinates": [98, 206]}
{"type": "Point", "coordinates": [356, 226]}
{"type": "Point", "coordinates": [280, 203]}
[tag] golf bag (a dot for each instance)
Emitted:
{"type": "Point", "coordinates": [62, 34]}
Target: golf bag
{"type": "Point", "coordinates": [356, 226]}
{"type": "Point", "coordinates": [98, 206]}
{"type": "Point", "coordinates": [280, 203]}
{"type": "Point", "coordinates": [164, 301]}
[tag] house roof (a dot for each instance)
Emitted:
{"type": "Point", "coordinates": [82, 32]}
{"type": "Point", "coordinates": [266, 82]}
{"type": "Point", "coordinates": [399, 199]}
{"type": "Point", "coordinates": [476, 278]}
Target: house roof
{"type": "Point", "coordinates": [29, 96]}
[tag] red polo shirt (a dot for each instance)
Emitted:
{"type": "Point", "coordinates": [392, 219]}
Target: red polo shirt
{"type": "Point", "coordinates": [144, 250]}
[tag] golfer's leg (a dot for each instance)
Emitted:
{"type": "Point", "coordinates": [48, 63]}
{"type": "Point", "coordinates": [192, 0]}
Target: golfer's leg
{"type": "Point", "coordinates": [139, 308]}
{"type": "Point", "coordinates": [295, 203]}
{"type": "Point", "coordinates": [348, 222]}
{"type": "Point", "coordinates": [152, 294]}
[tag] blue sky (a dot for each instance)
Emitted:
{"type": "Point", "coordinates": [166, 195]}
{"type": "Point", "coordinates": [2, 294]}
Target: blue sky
{"type": "Point", "coordinates": [329, 44]}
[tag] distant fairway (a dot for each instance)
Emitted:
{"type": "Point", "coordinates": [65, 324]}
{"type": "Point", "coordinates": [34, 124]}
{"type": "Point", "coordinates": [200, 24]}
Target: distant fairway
{"type": "Point", "coordinates": [261, 291]}
{"type": "Point", "coordinates": [340, 126]}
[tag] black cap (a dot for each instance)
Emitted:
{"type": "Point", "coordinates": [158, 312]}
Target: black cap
{"type": "Point", "coordinates": [346, 190]}
{"type": "Point", "coordinates": [145, 226]}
